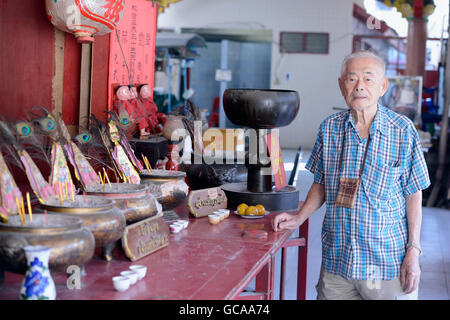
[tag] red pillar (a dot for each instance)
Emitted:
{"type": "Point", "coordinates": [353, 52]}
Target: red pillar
{"type": "Point", "coordinates": [416, 45]}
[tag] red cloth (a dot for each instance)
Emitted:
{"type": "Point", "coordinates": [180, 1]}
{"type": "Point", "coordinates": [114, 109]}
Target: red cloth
{"type": "Point", "coordinates": [151, 110]}
{"type": "Point", "coordinates": [119, 105]}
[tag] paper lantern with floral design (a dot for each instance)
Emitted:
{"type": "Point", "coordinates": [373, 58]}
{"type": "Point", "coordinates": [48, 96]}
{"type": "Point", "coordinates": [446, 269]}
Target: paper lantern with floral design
{"type": "Point", "coordinates": [85, 18]}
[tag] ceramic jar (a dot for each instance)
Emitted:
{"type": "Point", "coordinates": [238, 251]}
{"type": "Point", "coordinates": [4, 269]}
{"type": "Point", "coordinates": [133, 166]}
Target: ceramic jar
{"type": "Point", "coordinates": [38, 283]}
{"type": "Point", "coordinates": [174, 128]}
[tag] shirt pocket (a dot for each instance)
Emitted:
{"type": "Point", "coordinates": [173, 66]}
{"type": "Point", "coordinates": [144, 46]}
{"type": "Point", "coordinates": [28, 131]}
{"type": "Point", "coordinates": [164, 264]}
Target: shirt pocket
{"type": "Point", "coordinates": [381, 179]}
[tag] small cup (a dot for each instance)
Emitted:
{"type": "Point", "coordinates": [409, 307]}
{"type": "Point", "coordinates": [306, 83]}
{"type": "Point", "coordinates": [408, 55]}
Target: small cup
{"type": "Point", "coordinates": [140, 270]}
{"type": "Point", "coordinates": [222, 215]}
{"type": "Point", "coordinates": [175, 228]}
{"type": "Point", "coordinates": [184, 223]}
{"type": "Point", "coordinates": [133, 276]}
{"type": "Point", "coordinates": [121, 283]}
{"type": "Point", "coordinates": [214, 218]}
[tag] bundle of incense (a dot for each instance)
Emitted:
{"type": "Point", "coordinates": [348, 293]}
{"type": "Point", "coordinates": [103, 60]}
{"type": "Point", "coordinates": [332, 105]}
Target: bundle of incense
{"type": "Point", "coordinates": [29, 207]}
{"type": "Point", "coordinates": [147, 164]}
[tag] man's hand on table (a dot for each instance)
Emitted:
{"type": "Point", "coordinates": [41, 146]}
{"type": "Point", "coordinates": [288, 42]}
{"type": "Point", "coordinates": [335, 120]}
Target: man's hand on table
{"type": "Point", "coordinates": [285, 221]}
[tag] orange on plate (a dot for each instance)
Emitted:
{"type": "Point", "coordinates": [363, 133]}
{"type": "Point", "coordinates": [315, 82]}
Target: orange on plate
{"type": "Point", "coordinates": [261, 209]}
{"type": "Point", "coordinates": [251, 211]}
{"type": "Point", "coordinates": [241, 209]}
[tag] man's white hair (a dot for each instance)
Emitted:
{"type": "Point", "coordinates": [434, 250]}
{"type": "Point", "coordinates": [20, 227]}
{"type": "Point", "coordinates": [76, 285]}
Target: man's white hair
{"type": "Point", "coordinates": [362, 54]}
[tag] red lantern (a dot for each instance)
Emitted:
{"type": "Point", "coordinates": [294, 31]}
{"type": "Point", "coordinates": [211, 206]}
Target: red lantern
{"type": "Point", "coordinates": [85, 18]}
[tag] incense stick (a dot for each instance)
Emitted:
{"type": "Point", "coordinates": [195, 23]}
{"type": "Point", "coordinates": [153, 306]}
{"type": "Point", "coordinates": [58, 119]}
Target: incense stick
{"type": "Point", "coordinates": [106, 177]}
{"type": "Point", "coordinates": [23, 210]}
{"type": "Point", "coordinates": [60, 193]}
{"type": "Point", "coordinates": [73, 194]}
{"type": "Point", "coordinates": [46, 217]}
{"type": "Point", "coordinates": [66, 186]}
{"type": "Point", "coordinates": [29, 207]}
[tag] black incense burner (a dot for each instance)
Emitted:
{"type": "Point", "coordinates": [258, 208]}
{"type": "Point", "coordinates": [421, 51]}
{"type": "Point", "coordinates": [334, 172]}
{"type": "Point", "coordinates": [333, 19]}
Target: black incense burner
{"type": "Point", "coordinates": [260, 110]}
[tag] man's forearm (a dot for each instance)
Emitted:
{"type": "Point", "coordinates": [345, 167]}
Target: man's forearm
{"type": "Point", "coordinates": [314, 200]}
{"type": "Point", "coordinates": [414, 216]}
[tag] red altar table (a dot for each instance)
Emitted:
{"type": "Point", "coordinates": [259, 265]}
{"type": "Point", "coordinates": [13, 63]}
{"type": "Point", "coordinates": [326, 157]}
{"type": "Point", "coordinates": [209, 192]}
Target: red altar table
{"type": "Point", "coordinates": [202, 262]}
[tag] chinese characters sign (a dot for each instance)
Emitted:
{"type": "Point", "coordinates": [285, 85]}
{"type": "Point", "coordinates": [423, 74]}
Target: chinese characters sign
{"type": "Point", "coordinates": [135, 36]}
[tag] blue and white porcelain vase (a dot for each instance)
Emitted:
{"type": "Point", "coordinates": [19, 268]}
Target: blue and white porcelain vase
{"type": "Point", "coordinates": [38, 283]}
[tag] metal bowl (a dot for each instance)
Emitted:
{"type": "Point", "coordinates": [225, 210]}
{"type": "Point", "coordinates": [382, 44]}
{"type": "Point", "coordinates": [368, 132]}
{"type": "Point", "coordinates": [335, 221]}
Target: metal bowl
{"type": "Point", "coordinates": [70, 242]}
{"type": "Point", "coordinates": [167, 186]}
{"type": "Point", "coordinates": [101, 216]}
{"type": "Point", "coordinates": [134, 200]}
{"type": "Point", "coordinates": [261, 108]}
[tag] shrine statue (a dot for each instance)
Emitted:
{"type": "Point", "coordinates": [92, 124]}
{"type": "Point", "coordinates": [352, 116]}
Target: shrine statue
{"type": "Point", "coordinates": [151, 117]}
{"type": "Point", "coordinates": [123, 104]}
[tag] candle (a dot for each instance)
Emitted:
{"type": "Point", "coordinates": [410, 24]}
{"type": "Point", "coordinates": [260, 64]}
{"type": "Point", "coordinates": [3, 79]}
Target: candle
{"type": "Point", "coordinates": [60, 193]}
{"type": "Point", "coordinates": [29, 207]}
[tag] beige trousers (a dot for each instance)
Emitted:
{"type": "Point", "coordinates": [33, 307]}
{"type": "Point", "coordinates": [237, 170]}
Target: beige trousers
{"type": "Point", "coordinates": [335, 287]}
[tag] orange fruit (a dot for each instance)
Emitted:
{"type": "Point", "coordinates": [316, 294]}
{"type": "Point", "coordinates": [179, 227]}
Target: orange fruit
{"type": "Point", "coordinates": [261, 209]}
{"type": "Point", "coordinates": [251, 211]}
{"type": "Point", "coordinates": [241, 208]}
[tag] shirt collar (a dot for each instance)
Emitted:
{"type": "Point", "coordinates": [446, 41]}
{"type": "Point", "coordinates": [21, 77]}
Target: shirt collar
{"type": "Point", "coordinates": [379, 122]}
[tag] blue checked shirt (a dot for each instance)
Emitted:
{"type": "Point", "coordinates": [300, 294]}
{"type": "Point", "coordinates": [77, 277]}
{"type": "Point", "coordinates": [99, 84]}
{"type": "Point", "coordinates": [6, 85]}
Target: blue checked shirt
{"type": "Point", "coordinates": [369, 240]}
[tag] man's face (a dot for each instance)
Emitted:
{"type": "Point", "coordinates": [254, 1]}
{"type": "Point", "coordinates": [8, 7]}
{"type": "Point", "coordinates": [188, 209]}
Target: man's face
{"type": "Point", "coordinates": [363, 83]}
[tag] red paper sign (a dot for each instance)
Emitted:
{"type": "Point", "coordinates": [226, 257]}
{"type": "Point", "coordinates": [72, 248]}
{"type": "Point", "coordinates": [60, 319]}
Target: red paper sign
{"type": "Point", "coordinates": [137, 36]}
{"type": "Point", "coordinates": [279, 174]}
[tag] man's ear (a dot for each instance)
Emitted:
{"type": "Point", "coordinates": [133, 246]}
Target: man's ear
{"type": "Point", "coordinates": [341, 85]}
{"type": "Point", "coordinates": [384, 86]}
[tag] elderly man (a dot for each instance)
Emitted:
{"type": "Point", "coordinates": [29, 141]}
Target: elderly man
{"type": "Point", "coordinates": [370, 171]}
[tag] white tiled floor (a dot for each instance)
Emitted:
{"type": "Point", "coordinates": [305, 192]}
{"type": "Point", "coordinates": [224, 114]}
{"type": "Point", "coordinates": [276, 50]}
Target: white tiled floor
{"type": "Point", "coordinates": [435, 241]}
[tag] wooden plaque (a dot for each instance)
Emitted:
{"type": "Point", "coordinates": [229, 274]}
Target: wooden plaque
{"type": "Point", "coordinates": [206, 201]}
{"type": "Point", "coordinates": [144, 237]}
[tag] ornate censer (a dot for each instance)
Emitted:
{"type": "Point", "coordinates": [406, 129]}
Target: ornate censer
{"type": "Point", "coordinates": [135, 201]}
{"type": "Point", "coordinates": [168, 187]}
{"type": "Point", "coordinates": [101, 216]}
{"type": "Point", "coordinates": [71, 243]}
{"type": "Point", "coordinates": [260, 109]}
